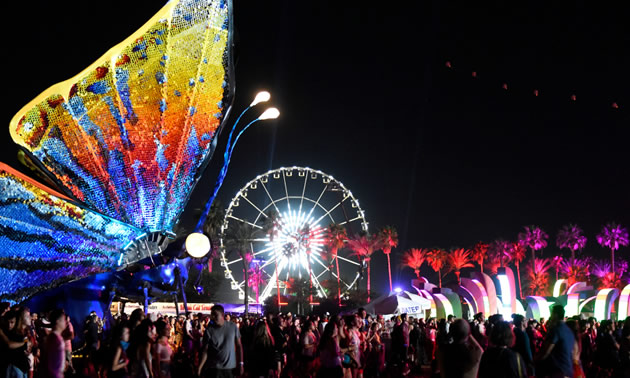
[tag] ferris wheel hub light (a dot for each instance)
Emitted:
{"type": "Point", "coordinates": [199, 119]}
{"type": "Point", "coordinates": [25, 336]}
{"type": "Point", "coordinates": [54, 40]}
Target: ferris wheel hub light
{"type": "Point", "coordinates": [197, 245]}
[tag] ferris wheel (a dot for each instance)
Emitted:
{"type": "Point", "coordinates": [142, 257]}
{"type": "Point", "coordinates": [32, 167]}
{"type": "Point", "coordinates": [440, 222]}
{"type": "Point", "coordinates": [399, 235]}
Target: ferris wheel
{"type": "Point", "coordinates": [303, 202]}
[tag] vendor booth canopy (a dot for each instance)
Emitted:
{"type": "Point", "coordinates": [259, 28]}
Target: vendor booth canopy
{"type": "Point", "coordinates": [399, 304]}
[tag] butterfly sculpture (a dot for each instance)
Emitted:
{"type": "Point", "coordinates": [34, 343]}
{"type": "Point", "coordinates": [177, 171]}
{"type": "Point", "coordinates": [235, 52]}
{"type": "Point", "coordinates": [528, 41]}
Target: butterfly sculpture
{"type": "Point", "coordinates": [124, 141]}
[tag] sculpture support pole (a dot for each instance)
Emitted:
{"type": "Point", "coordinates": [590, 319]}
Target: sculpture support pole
{"type": "Point", "coordinates": [180, 283]}
{"type": "Point", "coordinates": [145, 290]}
{"type": "Point", "coordinates": [176, 305]}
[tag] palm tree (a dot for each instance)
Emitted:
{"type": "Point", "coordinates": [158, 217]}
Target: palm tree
{"type": "Point", "coordinates": [557, 262]}
{"type": "Point", "coordinates": [270, 224]}
{"type": "Point", "coordinates": [388, 239]}
{"type": "Point", "coordinates": [336, 237]}
{"type": "Point", "coordinates": [571, 237]}
{"type": "Point", "coordinates": [458, 260]}
{"type": "Point", "coordinates": [414, 258]}
{"type": "Point", "coordinates": [517, 254]}
{"type": "Point", "coordinates": [576, 270]}
{"type": "Point", "coordinates": [363, 246]}
{"type": "Point", "coordinates": [498, 255]}
{"type": "Point", "coordinates": [240, 241]}
{"type": "Point", "coordinates": [535, 238]}
{"type": "Point", "coordinates": [538, 277]}
{"type": "Point", "coordinates": [500, 249]}
{"type": "Point", "coordinates": [479, 253]}
{"type": "Point", "coordinates": [437, 259]}
{"type": "Point", "coordinates": [212, 229]}
{"type": "Point", "coordinates": [613, 236]}
{"type": "Point", "coordinates": [256, 279]}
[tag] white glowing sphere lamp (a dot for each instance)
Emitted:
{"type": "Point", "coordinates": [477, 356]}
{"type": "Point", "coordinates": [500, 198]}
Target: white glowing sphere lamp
{"type": "Point", "coordinates": [197, 245]}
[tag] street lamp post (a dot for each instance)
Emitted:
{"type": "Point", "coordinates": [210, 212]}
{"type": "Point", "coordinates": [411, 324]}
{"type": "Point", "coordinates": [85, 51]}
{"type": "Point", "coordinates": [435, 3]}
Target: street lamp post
{"type": "Point", "coordinates": [271, 113]}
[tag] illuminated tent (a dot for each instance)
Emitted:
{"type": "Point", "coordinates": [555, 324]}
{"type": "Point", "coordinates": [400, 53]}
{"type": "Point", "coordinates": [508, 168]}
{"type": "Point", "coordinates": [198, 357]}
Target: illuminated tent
{"type": "Point", "coordinates": [399, 304]}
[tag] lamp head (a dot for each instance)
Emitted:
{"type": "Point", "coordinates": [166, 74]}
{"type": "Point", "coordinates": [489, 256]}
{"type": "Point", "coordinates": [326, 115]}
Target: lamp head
{"type": "Point", "coordinates": [197, 245]}
{"type": "Point", "coordinates": [263, 96]}
{"type": "Point", "coordinates": [271, 113]}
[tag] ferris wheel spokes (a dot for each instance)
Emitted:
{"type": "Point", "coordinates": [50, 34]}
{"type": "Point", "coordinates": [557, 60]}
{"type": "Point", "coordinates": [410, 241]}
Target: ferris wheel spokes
{"type": "Point", "coordinates": [270, 197]}
{"type": "Point", "coordinates": [332, 209]}
{"type": "Point", "coordinates": [286, 190]}
{"type": "Point", "coordinates": [303, 191]}
{"type": "Point", "coordinates": [299, 241]}
{"type": "Point", "coordinates": [244, 221]}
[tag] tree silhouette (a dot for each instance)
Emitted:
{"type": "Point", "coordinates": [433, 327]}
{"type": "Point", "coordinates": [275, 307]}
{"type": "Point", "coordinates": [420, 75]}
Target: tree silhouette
{"type": "Point", "coordinates": [414, 258]}
{"type": "Point", "coordinates": [387, 239]}
{"type": "Point", "coordinates": [613, 236]}
{"type": "Point", "coordinates": [457, 260]}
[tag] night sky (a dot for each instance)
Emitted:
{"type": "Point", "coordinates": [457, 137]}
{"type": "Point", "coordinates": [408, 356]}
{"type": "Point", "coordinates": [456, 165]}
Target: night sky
{"type": "Point", "coordinates": [366, 96]}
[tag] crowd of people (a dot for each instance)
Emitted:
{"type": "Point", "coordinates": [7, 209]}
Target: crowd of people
{"type": "Point", "coordinates": [284, 345]}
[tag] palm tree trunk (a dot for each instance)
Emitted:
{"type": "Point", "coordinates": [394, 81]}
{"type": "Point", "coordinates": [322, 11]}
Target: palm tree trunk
{"type": "Point", "coordinates": [389, 270]}
{"type": "Point", "coordinates": [368, 283]}
{"type": "Point", "coordinates": [338, 281]}
{"type": "Point", "coordinates": [518, 273]}
{"type": "Point", "coordinates": [278, 286]}
{"type": "Point", "coordinates": [533, 261]}
{"type": "Point", "coordinates": [612, 260]}
{"type": "Point", "coordinates": [440, 278]}
{"type": "Point", "coordinates": [310, 279]}
{"type": "Point", "coordinates": [417, 271]}
{"type": "Point", "coordinates": [457, 272]}
{"type": "Point", "coordinates": [246, 300]}
{"type": "Point", "coordinates": [481, 266]}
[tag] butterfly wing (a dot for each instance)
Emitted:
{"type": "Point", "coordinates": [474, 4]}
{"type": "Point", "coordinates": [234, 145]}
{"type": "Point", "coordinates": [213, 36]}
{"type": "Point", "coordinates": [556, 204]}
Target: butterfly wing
{"type": "Point", "coordinates": [129, 135]}
{"type": "Point", "coordinates": [46, 240]}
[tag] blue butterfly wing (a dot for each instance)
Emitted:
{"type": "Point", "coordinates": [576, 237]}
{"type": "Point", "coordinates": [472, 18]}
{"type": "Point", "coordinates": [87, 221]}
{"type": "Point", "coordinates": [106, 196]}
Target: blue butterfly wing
{"type": "Point", "coordinates": [46, 240]}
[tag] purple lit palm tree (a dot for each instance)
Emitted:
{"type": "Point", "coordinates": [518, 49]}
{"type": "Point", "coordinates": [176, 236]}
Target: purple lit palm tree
{"type": "Point", "coordinates": [535, 238]}
{"type": "Point", "coordinates": [500, 249]}
{"type": "Point", "coordinates": [517, 254]}
{"type": "Point", "coordinates": [613, 236]}
{"type": "Point", "coordinates": [557, 262]}
{"type": "Point", "coordinates": [571, 238]}
{"type": "Point", "coordinates": [576, 270]}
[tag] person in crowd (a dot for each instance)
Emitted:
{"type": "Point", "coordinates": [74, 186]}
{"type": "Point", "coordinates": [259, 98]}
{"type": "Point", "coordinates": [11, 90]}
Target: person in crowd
{"type": "Point", "coordinates": [18, 358]}
{"type": "Point", "coordinates": [68, 336]}
{"type": "Point", "coordinates": [606, 357]}
{"type": "Point", "coordinates": [499, 360]}
{"type": "Point", "coordinates": [53, 354]}
{"type": "Point", "coordinates": [308, 343]}
{"type": "Point", "coordinates": [521, 342]}
{"type": "Point", "coordinates": [120, 361]}
{"type": "Point", "coordinates": [460, 358]}
{"type": "Point", "coordinates": [351, 341]}
{"type": "Point", "coordinates": [330, 352]}
{"type": "Point", "coordinates": [163, 350]}
{"type": "Point", "coordinates": [141, 350]}
{"type": "Point", "coordinates": [574, 326]}
{"type": "Point", "coordinates": [262, 353]}
{"type": "Point", "coordinates": [222, 349]}
{"type": "Point", "coordinates": [375, 360]}
{"type": "Point", "coordinates": [556, 354]}
{"type": "Point", "coordinates": [479, 330]}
